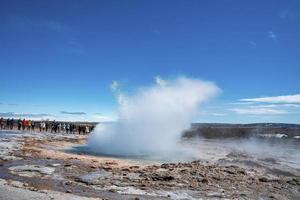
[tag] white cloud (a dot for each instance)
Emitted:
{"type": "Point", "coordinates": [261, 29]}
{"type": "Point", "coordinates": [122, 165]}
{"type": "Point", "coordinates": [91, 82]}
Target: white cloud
{"type": "Point", "coordinates": [103, 118]}
{"type": "Point", "coordinates": [258, 111]}
{"type": "Point", "coordinates": [272, 35]}
{"type": "Point", "coordinates": [287, 99]}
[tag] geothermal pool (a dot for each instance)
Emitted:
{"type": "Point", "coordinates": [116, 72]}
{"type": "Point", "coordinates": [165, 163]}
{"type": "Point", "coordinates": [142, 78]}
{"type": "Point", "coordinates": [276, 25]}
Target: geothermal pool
{"type": "Point", "coordinates": [272, 152]}
{"type": "Point", "coordinates": [275, 151]}
{"type": "Point", "coordinates": [265, 163]}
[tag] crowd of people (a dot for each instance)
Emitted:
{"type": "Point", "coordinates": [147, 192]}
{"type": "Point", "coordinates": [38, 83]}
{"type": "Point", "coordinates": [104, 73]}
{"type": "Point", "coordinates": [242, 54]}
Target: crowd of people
{"type": "Point", "coordinates": [45, 126]}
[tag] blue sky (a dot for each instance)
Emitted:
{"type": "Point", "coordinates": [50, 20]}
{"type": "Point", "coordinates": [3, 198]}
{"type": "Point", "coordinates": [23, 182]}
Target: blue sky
{"type": "Point", "coordinates": [58, 58]}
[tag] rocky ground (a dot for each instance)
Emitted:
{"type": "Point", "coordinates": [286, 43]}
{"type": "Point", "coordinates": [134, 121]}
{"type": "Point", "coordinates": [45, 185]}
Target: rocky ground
{"type": "Point", "coordinates": [37, 166]}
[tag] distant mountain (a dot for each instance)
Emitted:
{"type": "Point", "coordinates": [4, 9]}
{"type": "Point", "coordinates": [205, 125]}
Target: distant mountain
{"type": "Point", "coordinates": [222, 130]}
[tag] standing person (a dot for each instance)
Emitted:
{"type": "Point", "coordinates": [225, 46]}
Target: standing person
{"type": "Point", "coordinates": [46, 125]}
{"type": "Point", "coordinates": [83, 129]}
{"type": "Point", "coordinates": [19, 124]}
{"type": "Point", "coordinates": [11, 124]}
{"type": "Point", "coordinates": [67, 128]}
{"type": "Point", "coordinates": [79, 129]}
{"type": "Point", "coordinates": [53, 126]}
{"type": "Point", "coordinates": [32, 125]}
{"type": "Point", "coordinates": [7, 123]}
{"type": "Point", "coordinates": [71, 128]}
{"type": "Point", "coordinates": [87, 129]}
{"type": "Point", "coordinates": [59, 127]}
{"type": "Point", "coordinates": [23, 124]}
{"type": "Point", "coordinates": [29, 125]}
{"type": "Point", "coordinates": [1, 123]}
{"type": "Point", "coordinates": [56, 127]}
{"type": "Point", "coordinates": [41, 126]}
{"type": "Point", "coordinates": [64, 127]}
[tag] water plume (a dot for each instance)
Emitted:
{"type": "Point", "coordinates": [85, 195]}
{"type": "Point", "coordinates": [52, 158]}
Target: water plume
{"type": "Point", "coordinates": [153, 118]}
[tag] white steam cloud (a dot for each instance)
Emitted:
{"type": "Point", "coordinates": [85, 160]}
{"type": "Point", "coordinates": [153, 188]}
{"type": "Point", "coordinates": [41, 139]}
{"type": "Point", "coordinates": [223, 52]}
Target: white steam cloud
{"type": "Point", "coordinates": [153, 119]}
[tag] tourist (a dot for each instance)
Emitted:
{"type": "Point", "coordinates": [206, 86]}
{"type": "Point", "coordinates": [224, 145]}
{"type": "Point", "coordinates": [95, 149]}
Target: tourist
{"type": "Point", "coordinates": [68, 128]}
{"type": "Point", "coordinates": [1, 123]}
{"type": "Point", "coordinates": [46, 125]}
{"type": "Point", "coordinates": [23, 124]}
{"type": "Point", "coordinates": [53, 126]}
{"type": "Point", "coordinates": [29, 125]}
{"type": "Point", "coordinates": [11, 124]}
{"type": "Point", "coordinates": [71, 128]}
{"type": "Point", "coordinates": [64, 127]}
{"type": "Point", "coordinates": [42, 126]}
{"type": "Point", "coordinates": [19, 124]}
{"type": "Point", "coordinates": [87, 129]}
{"type": "Point", "coordinates": [59, 127]}
{"type": "Point", "coordinates": [7, 123]}
{"type": "Point", "coordinates": [32, 125]}
{"type": "Point", "coordinates": [79, 129]}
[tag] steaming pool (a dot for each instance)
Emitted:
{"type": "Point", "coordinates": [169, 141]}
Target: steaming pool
{"type": "Point", "coordinates": [278, 152]}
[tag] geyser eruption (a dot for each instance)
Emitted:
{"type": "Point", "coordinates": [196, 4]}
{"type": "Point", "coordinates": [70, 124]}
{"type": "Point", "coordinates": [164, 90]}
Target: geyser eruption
{"type": "Point", "coordinates": [152, 119]}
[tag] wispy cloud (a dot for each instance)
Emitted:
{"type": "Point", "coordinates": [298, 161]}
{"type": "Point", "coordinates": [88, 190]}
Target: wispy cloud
{"type": "Point", "coordinates": [26, 115]}
{"type": "Point", "coordinates": [71, 50]}
{"type": "Point", "coordinates": [55, 26]}
{"type": "Point", "coordinates": [218, 114]}
{"type": "Point", "coordinates": [71, 44]}
{"type": "Point", "coordinates": [242, 103]}
{"type": "Point", "coordinates": [272, 35]}
{"type": "Point", "coordinates": [23, 22]}
{"type": "Point", "coordinates": [12, 104]}
{"type": "Point", "coordinates": [9, 104]}
{"type": "Point", "coordinates": [212, 113]}
{"type": "Point", "coordinates": [288, 99]}
{"type": "Point", "coordinates": [285, 14]}
{"type": "Point", "coordinates": [252, 43]}
{"type": "Point", "coordinates": [276, 106]}
{"type": "Point", "coordinates": [72, 113]}
{"type": "Point", "coordinates": [156, 32]}
{"type": "Point", "coordinates": [258, 111]}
